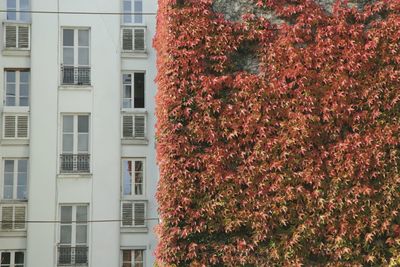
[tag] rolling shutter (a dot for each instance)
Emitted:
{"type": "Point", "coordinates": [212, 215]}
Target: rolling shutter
{"type": "Point", "coordinates": [127, 214]}
{"type": "Point", "coordinates": [22, 129]}
{"type": "Point", "coordinates": [139, 39]}
{"type": "Point", "coordinates": [11, 36]}
{"type": "Point", "coordinates": [23, 37]}
{"type": "Point", "coordinates": [9, 126]}
{"type": "Point", "coordinates": [133, 126]}
{"type": "Point", "coordinates": [127, 40]}
{"type": "Point", "coordinates": [139, 126]}
{"type": "Point", "coordinates": [139, 214]}
{"type": "Point", "coordinates": [20, 212]}
{"type": "Point", "coordinates": [6, 217]}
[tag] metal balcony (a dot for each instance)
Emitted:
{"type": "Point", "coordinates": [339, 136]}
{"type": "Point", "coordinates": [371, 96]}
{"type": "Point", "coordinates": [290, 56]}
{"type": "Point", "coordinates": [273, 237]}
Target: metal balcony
{"type": "Point", "coordinates": [75, 163]}
{"type": "Point", "coordinates": [72, 256]}
{"type": "Point", "coordinates": [75, 75]}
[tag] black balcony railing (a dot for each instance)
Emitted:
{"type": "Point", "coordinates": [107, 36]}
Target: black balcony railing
{"type": "Point", "coordinates": [74, 163]}
{"type": "Point", "coordinates": [72, 256]}
{"type": "Point", "coordinates": [75, 75]}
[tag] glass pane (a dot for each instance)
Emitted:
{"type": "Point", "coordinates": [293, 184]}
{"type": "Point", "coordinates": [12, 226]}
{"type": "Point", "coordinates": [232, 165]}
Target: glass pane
{"type": "Point", "coordinates": [10, 93]}
{"type": "Point", "coordinates": [68, 142]}
{"type": "Point", "coordinates": [25, 16]}
{"type": "Point", "coordinates": [6, 258]}
{"type": "Point", "coordinates": [24, 101]}
{"type": "Point", "coordinates": [127, 91]}
{"type": "Point", "coordinates": [127, 78]}
{"type": "Point", "coordinates": [66, 214]}
{"type": "Point", "coordinates": [139, 90]}
{"type": "Point", "coordinates": [138, 165]}
{"type": "Point", "coordinates": [127, 176]}
{"type": "Point", "coordinates": [81, 213]}
{"type": "Point", "coordinates": [127, 9]}
{"type": "Point", "coordinates": [126, 256]}
{"type": "Point", "coordinates": [22, 165]}
{"type": "Point", "coordinates": [24, 4]}
{"type": "Point", "coordinates": [65, 234]}
{"type": "Point", "coordinates": [68, 56]}
{"type": "Point", "coordinates": [24, 89]}
{"type": "Point", "coordinates": [83, 142]}
{"type": "Point", "coordinates": [9, 165]}
{"type": "Point", "coordinates": [68, 37]}
{"type": "Point", "coordinates": [8, 192]}
{"type": "Point", "coordinates": [24, 76]}
{"type": "Point", "coordinates": [83, 56]}
{"type": "Point", "coordinates": [81, 234]}
{"type": "Point", "coordinates": [83, 38]}
{"type": "Point", "coordinates": [10, 76]}
{"type": "Point", "coordinates": [10, 101]}
{"type": "Point", "coordinates": [138, 255]}
{"type": "Point", "coordinates": [68, 124]}
{"type": "Point", "coordinates": [19, 257]}
{"type": "Point", "coordinates": [138, 9]}
{"type": "Point", "coordinates": [83, 124]}
{"type": "Point", "coordinates": [11, 15]}
{"type": "Point", "coordinates": [22, 192]}
{"type": "Point", "coordinates": [11, 4]}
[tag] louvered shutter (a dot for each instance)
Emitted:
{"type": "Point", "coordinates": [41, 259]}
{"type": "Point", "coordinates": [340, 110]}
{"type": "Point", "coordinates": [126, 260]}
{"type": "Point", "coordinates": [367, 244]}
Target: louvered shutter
{"type": "Point", "coordinates": [127, 126]}
{"type": "Point", "coordinates": [139, 214]}
{"type": "Point", "coordinates": [127, 214]}
{"type": "Point", "coordinates": [6, 217]}
{"type": "Point", "coordinates": [139, 126]}
{"type": "Point", "coordinates": [22, 129]}
{"type": "Point", "coordinates": [139, 39]}
{"type": "Point", "coordinates": [20, 212]}
{"type": "Point", "coordinates": [127, 40]}
{"type": "Point", "coordinates": [9, 126]}
{"type": "Point", "coordinates": [23, 37]}
{"type": "Point", "coordinates": [11, 36]}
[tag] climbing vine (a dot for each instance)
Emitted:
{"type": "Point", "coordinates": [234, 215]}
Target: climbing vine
{"type": "Point", "coordinates": [295, 163]}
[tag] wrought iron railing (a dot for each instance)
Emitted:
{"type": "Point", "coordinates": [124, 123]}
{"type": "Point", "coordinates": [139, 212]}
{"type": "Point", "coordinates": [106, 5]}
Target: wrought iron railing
{"type": "Point", "coordinates": [75, 163]}
{"type": "Point", "coordinates": [72, 256]}
{"type": "Point", "coordinates": [75, 75]}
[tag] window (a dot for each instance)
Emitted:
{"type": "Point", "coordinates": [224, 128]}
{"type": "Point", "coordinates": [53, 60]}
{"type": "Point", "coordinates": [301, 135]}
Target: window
{"type": "Point", "coordinates": [17, 36]}
{"type": "Point", "coordinates": [12, 259]}
{"type": "Point", "coordinates": [73, 248]}
{"type": "Point", "coordinates": [133, 258]}
{"type": "Point", "coordinates": [133, 90]}
{"type": "Point", "coordinates": [18, 5]}
{"type": "Point", "coordinates": [133, 177]}
{"type": "Point", "coordinates": [134, 126]}
{"type": "Point", "coordinates": [75, 155]}
{"type": "Point", "coordinates": [15, 179]}
{"type": "Point", "coordinates": [133, 214]}
{"type": "Point", "coordinates": [133, 10]}
{"type": "Point", "coordinates": [133, 39]}
{"type": "Point", "coordinates": [15, 126]}
{"type": "Point", "coordinates": [17, 88]}
{"type": "Point", "coordinates": [13, 217]}
{"type": "Point", "coordinates": [76, 56]}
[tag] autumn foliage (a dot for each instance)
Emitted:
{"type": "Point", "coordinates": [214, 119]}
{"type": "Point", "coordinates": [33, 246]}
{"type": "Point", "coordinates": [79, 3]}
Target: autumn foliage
{"type": "Point", "coordinates": [297, 164]}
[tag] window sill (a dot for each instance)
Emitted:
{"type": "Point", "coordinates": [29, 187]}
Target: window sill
{"type": "Point", "coordinates": [134, 229]}
{"type": "Point", "coordinates": [134, 54]}
{"type": "Point", "coordinates": [16, 52]}
{"type": "Point", "coordinates": [72, 87]}
{"type": "Point", "coordinates": [15, 109]}
{"type": "Point", "coordinates": [12, 233]}
{"type": "Point", "coordinates": [12, 142]}
{"type": "Point", "coordinates": [125, 141]}
{"type": "Point", "coordinates": [74, 175]}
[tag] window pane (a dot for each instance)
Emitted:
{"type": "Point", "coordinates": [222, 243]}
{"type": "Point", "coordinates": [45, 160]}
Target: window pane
{"type": "Point", "coordinates": [11, 4]}
{"type": "Point", "coordinates": [66, 214]}
{"type": "Point", "coordinates": [24, 4]}
{"type": "Point", "coordinates": [83, 124]}
{"type": "Point", "coordinates": [22, 165]}
{"type": "Point", "coordinates": [68, 142]}
{"type": "Point", "coordinates": [81, 234]}
{"type": "Point", "coordinates": [83, 142]}
{"type": "Point", "coordinates": [126, 256]}
{"type": "Point", "coordinates": [127, 78]}
{"type": "Point", "coordinates": [83, 56]}
{"type": "Point", "coordinates": [10, 76]}
{"type": "Point", "coordinates": [127, 177]}
{"type": "Point", "coordinates": [138, 183]}
{"type": "Point", "coordinates": [138, 165]}
{"type": "Point", "coordinates": [83, 38]}
{"type": "Point", "coordinates": [11, 15]}
{"type": "Point", "coordinates": [127, 9]}
{"type": "Point", "coordinates": [19, 257]}
{"type": "Point", "coordinates": [138, 255]}
{"type": "Point", "coordinates": [65, 234]}
{"type": "Point", "coordinates": [127, 91]}
{"type": "Point", "coordinates": [68, 37]}
{"type": "Point", "coordinates": [139, 90]}
{"type": "Point", "coordinates": [6, 258]}
{"type": "Point", "coordinates": [68, 124]}
{"type": "Point", "coordinates": [9, 165]}
{"type": "Point", "coordinates": [138, 9]}
{"type": "Point", "coordinates": [8, 192]}
{"type": "Point", "coordinates": [22, 179]}
{"type": "Point", "coordinates": [81, 213]}
{"type": "Point", "coordinates": [24, 76]}
{"type": "Point", "coordinates": [24, 101]}
{"type": "Point", "coordinates": [24, 89]}
{"type": "Point", "coordinates": [10, 94]}
{"type": "Point", "coordinates": [68, 56]}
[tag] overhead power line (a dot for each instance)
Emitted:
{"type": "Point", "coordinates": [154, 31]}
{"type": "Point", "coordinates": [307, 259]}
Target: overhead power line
{"type": "Point", "coordinates": [78, 12]}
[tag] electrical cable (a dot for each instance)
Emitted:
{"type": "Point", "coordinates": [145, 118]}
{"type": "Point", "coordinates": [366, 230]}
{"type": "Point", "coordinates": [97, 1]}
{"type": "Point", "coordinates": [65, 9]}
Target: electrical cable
{"type": "Point", "coordinates": [69, 222]}
{"type": "Point", "coordinates": [78, 12]}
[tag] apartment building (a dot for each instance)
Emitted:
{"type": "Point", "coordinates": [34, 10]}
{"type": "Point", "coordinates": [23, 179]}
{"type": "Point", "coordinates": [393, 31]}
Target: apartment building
{"type": "Point", "coordinates": [78, 172]}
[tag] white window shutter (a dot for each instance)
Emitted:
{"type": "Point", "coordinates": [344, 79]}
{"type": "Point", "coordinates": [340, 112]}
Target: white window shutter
{"type": "Point", "coordinates": [127, 214]}
{"type": "Point", "coordinates": [127, 126]}
{"type": "Point", "coordinates": [9, 126]}
{"type": "Point", "coordinates": [127, 40]}
{"type": "Point", "coordinates": [139, 126]}
{"type": "Point", "coordinates": [23, 37]}
{"type": "Point", "coordinates": [139, 214]}
{"type": "Point", "coordinates": [22, 130]}
{"type": "Point", "coordinates": [11, 36]}
{"type": "Point", "coordinates": [139, 39]}
{"type": "Point", "coordinates": [6, 217]}
{"type": "Point", "coordinates": [20, 216]}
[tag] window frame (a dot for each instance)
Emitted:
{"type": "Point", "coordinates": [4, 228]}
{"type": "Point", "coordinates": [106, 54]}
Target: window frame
{"type": "Point", "coordinates": [17, 87]}
{"type": "Point", "coordinates": [133, 116]}
{"type": "Point", "coordinates": [17, 12]}
{"type": "Point", "coordinates": [133, 50]}
{"type": "Point", "coordinates": [16, 129]}
{"type": "Point", "coordinates": [17, 25]}
{"type": "Point", "coordinates": [76, 46]}
{"type": "Point", "coordinates": [13, 228]}
{"type": "Point", "coordinates": [132, 84]}
{"type": "Point", "coordinates": [12, 257]}
{"type": "Point", "coordinates": [132, 10]}
{"type": "Point", "coordinates": [74, 224]}
{"type": "Point", "coordinates": [133, 225]}
{"type": "Point", "coordinates": [132, 250]}
{"type": "Point", "coordinates": [75, 133]}
{"type": "Point", "coordinates": [15, 179]}
{"type": "Point", "coordinates": [132, 195]}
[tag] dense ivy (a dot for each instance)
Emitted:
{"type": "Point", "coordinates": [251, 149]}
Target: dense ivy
{"type": "Point", "coordinates": [296, 164]}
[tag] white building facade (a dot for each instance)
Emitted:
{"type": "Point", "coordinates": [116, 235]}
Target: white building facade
{"type": "Point", "coordinates": [78, 172]}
